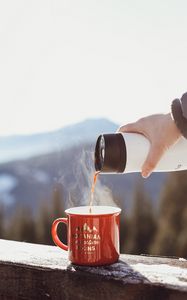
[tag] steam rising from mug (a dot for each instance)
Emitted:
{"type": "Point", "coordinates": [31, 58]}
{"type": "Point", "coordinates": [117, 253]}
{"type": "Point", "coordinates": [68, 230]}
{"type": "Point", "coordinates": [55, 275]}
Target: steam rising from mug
{"type": "Point", "coordinates": [78, 181]}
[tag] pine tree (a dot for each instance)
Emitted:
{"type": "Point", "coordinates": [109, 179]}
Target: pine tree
{"type": "Point", "coordinates": [47, 214]}
{"type": "Point", "coordinates": [2, 233]}
{"type": "Point", "coordinates": [57, 204]}
{"type": "Point", "coordinates": [172, 230]}
{"type": "Point", "coordinates": [124, 232]}
{"type": "Point", "coordinates": [22, 226]}
{"type": "Point", "coordinates": [43, 224]}
{"type": "Point", "coordinates": [182, 237]}
{"type": "Point", "coordinates": [142, 223]}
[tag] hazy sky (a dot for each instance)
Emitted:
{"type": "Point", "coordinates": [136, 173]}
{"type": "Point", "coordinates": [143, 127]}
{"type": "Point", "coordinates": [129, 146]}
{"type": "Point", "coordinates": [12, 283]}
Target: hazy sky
{"type": "Point", "coordinates": [64, 61]}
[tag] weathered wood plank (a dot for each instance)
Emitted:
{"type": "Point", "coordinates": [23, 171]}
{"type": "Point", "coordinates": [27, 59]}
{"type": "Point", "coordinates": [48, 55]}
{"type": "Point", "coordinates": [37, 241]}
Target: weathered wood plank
{"type": "Point", "coordinates": [29, 271]}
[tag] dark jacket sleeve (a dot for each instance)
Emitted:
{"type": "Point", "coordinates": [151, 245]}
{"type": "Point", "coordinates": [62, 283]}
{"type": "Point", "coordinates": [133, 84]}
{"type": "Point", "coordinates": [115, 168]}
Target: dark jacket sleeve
{"type": "Point", "coordinates": [179, 112]}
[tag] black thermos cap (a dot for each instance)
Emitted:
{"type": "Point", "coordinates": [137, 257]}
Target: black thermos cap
{"type": "Point", "coordinates": [110, 153]}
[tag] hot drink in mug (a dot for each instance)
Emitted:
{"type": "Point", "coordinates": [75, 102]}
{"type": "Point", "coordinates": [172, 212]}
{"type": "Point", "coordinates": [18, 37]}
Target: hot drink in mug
{"type": "Point", "coordinates": [93, 238]}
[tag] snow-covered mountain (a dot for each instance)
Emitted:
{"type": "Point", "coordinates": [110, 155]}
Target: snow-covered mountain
{"type": "Point", "coordinates": [26, 146]}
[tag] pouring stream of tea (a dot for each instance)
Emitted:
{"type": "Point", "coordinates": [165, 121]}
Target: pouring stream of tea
{"type": "Point", "coordinates": [92, 191]}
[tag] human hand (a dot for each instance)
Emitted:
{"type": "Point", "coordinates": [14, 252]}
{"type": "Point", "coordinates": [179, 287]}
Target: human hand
{"type": "Point", "coordinates": [161, 131]}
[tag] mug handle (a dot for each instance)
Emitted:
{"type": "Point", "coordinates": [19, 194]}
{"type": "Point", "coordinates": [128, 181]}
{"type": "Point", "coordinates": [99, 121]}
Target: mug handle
{"type": "Point", "coordinates": [55, 237]}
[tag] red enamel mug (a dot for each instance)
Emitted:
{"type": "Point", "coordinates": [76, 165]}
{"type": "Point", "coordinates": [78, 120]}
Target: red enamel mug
{"type": "Point", "coordinates": [93, 237]}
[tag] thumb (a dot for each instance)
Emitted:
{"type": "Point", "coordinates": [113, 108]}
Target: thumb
{"type": "Point", "coordinates": [131, 127]}
{"type": "Point", "coordinates": [153, 157]}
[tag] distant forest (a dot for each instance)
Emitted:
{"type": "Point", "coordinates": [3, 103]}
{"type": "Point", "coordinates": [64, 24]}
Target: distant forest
{"type": "Point", "coordinates": [143, 231]}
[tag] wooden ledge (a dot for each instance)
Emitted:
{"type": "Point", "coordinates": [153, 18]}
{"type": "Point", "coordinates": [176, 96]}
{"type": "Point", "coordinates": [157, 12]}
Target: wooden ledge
{"type": "Point", "coordinates": [30, 271]}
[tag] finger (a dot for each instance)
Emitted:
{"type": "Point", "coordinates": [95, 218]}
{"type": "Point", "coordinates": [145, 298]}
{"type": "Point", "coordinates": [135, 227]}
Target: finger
{"type": "Point", "coordinates": [153, 157]}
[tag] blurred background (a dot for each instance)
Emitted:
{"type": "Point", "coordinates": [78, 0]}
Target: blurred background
{"type": "Point", "coordinates": [69, 71]}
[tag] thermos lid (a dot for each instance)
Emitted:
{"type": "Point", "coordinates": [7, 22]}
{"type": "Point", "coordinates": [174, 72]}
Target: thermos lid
{"type": "Point", "coordinates": [110, 153]}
